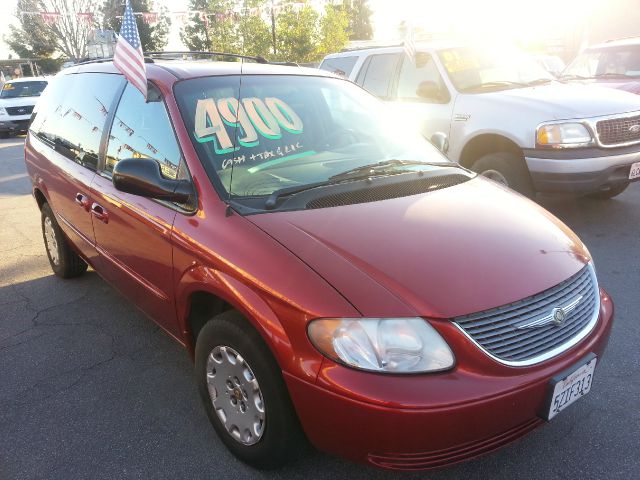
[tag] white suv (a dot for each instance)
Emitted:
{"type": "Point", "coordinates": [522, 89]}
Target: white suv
{"type": "Point", "coordinates": [17, 99]}
{"type": "Point", "coordinates": [506, 117]}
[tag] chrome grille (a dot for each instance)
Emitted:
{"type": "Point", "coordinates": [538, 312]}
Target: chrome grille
{"type": "Point", "coordinates": [26, 110]}
{"type": "Point", "coordinates": [617, 130]}
{"type": "Point", "coordinates": [501, 331]}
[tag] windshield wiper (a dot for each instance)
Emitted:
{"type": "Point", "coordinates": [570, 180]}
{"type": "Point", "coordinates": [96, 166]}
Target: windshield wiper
{"type": "Point", "coordinates": [613, 75]}
{"type": "Point", "coordinates": [573, 77]}
{"type": "Point", "coordinates": [539, 81]}
{"type": "Point", "coordinates": [497, 83]}
{"type": "Point", "coordinates": [271, 202]}
{"type": "Point", "coordinates": [386, 167]}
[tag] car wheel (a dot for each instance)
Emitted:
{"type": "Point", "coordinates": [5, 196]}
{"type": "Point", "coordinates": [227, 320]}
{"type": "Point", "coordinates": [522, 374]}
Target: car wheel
{"type": "Point", "coordinates": [612, 192]}
{"type": "Point", "coordinates": [63, 260]}
{"type": "Point", "coordinates": [244, 394]}
{"type": "Point", "coordinates": [506, 169]}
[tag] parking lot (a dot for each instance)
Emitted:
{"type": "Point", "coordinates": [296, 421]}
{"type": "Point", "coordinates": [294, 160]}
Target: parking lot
{"type": "Point", "coordinates": [90, 388]}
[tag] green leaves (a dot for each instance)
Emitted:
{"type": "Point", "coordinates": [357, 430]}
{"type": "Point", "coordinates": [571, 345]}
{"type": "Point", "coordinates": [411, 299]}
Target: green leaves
{"type": "Point", "coordinates": [286, 33]}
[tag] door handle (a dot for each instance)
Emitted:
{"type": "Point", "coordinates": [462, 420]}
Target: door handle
{"type": "Point", "coordinates": [100, 213]}
{"type": "Point", "coordinates": [83, 201]}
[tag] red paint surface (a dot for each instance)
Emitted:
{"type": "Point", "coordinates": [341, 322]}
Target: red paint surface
{"type": "Point", "coordinates": [441, 254]}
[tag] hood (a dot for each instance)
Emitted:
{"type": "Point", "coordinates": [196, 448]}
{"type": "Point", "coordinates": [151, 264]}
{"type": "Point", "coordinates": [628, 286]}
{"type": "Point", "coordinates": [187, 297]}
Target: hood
{"type": "Point", "coordinates": [632, 86]}
{"type": "Point", "coordinates": [441, 254]}
{"type": "Point", "coordinates": [18, 102]}
{"type": "Point", "coordinates": [563, 101]}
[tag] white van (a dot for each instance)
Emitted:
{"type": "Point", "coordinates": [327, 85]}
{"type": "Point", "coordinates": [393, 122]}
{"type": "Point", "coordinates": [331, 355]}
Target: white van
{"type": "Point", "coordinates": [17, 99]}
{"type": "Point", "coordinates": [505, 117]}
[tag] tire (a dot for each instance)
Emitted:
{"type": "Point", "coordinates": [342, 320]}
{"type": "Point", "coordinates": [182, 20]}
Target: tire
{"type": "Point", "coordinates": [276, 436]}
{"type": "Point", "coordinates": [612, 192]}
{"type": "Point", "coordinates": [507, 169]}
{"type": "Point", "coordinates": [64, 261]}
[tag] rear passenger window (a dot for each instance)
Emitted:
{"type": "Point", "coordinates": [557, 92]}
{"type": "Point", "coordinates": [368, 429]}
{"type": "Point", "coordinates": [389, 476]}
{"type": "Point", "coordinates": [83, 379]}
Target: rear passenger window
{"type": "Point", "coordinates": [143, 130]}
{"type": "Point", "coordinates": [340, 66]}
{"type": "Point", "coordinates": [74, 113]}
{"type": "Point", "coordinates": [381, 69]}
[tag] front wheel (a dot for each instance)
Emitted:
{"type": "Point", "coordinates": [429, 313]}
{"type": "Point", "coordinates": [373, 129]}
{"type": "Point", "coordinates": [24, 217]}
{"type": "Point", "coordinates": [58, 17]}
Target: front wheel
{"type": "Point", "coordinates": [243, 392]}
{"type": "Point", "coordinates": [506, 169]}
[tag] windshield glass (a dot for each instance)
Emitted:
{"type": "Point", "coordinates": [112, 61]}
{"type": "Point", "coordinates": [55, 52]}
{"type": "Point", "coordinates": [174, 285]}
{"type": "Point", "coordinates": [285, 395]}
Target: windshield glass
{"type": "Point", "coordinates": [22, 89]}
{"type": "Point", "coordinates": [618, 61]}
{"type": "Point", "coordinates": [474, 69]}
{"type": "Point", "coordinates": [289, 131]}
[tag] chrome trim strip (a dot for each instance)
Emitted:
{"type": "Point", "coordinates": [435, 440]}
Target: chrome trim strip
{"type": "Point", "coordinates": [542, 321]}
{"type": "Point", "coordinates": [560, 348]}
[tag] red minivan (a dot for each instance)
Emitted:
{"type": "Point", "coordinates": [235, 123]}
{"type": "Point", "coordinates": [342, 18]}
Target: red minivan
{"type": "Point", "coordinates": [332, 274]}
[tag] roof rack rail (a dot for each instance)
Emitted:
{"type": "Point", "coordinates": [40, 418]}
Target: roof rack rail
{"type": "Point", "coordinates": [187, 53]}
{"type": "Point", "coordinates": [355, 48]}
{"type": "Point", "coordinates": [106, 59]}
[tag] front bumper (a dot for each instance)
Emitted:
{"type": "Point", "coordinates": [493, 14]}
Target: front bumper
{"type": "Point", "coordinates": [580, 171]}
{"type": "Point", "coordinates": [429, 421]}
{"type": "Point", "coordinates": [14, 124]}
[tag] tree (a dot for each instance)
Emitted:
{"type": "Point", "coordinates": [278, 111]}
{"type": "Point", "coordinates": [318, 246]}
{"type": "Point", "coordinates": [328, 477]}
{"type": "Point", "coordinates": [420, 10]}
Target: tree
{"type": "Point", "coordinates": [334, 33]}
{"type": "Point", "coordinates": [67, 34]}
{"type": "Point", "coordinates": [213, 28]}
{"type": "Point", "coordinates": [297, 35]}
{"type": "Point", "coordinates": [152, 37]}
{"type": "Point", "coordinates": [254, 33]}
{"type": "Point", "coordinates": [32, 39]}
{"type": "Point", "coordinates": [359, 20]}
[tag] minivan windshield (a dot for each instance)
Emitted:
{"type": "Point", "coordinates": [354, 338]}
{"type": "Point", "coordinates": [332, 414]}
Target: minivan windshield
{"type": "Point", "coordinates": [22, 89]}
{"type": "Point", "coordinates": [606, 62]}
{"type": "Point", "coordinates": [476, 70]}
{"type": "Point", "coordinates": [285, 131]}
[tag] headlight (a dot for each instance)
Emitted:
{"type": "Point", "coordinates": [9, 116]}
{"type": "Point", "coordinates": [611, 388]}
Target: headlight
{"type": "Point", "coordinates": [3, 111]}
{"type": "Point", "coordinates": [562, 135]}
{"type": "Point", "coordinates": [385, 345]}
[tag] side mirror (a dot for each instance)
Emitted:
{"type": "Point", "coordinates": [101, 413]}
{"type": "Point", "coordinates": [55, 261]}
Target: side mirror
{"type": "Point", "coordinates": [432, 92]}
{"type": "Point", "coordinates": [141, 176]}
{"type": "Point", "coordinates": [440, 141]}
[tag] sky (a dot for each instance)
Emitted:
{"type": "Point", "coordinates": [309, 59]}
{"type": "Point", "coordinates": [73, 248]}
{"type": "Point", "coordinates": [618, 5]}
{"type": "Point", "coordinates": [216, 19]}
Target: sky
{"type": "Point", "coordinates": [511, 18]}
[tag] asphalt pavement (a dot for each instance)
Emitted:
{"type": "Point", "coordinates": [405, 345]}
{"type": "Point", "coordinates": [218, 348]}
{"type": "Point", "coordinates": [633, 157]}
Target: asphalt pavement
{"type": "Point", "coordinates": [92, 389]}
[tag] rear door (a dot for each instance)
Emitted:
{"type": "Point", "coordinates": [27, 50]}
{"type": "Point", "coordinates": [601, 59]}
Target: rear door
{"type": "Point", "coordinates": [66, 134]}
{"type": "Point", "coordinates": [132, 232]}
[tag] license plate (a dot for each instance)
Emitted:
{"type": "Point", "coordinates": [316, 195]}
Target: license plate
{"type": "Point", "coordinates": [635, 171]}
{"type": "Point", "coordinates": [569, 386]}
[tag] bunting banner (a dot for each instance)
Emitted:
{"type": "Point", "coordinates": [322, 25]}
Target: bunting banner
{"type": "Point", "coordinates": [50, 18]}
{"type": "Point", "coordinates": [150, 17]}
{"type": "Point", "coordinates": [205, 19]}
{"type": "Point", "coordinates": [85, 17]}
{"type": "Point", "coordinates": [182, 17]}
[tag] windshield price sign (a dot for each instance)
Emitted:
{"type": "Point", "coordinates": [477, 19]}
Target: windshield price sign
{"type": "Point", "coordinates": [254, 117]}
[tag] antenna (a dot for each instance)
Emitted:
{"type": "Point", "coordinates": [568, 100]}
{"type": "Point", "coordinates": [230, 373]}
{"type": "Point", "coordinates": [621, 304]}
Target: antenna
{"type": "Point", "coordinates": [237, 127]}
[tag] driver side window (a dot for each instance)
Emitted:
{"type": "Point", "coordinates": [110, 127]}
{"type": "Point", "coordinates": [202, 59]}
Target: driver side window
{"type": "Point", "coordinates": [420, 80]}
{"type": "Point", "coordinates": [143, 130]}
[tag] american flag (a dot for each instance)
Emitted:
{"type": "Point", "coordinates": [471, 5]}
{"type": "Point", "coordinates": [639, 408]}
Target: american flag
{"type": "Point", "coordinates": [409, 44]}
{"type": "Point", "coordinates": [128, 56]}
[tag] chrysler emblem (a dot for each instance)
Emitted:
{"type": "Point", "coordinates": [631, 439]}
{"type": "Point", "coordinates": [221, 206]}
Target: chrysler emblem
{"type": "Point", "coordinates": [634, 128]}
{"type": "Point", "coordinates": [557, 316]}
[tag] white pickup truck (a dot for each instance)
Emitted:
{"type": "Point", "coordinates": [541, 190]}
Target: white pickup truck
{"type": "Point", "coordinates": [505, 117]}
